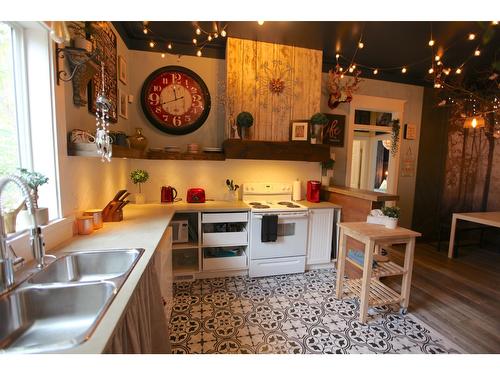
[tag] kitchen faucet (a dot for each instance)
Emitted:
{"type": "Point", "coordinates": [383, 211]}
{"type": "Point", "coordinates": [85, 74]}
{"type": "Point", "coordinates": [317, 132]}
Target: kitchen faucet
{"type": "Point", "coordinates": [36, 238]}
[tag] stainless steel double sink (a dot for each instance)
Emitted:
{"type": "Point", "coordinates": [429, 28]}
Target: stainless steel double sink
{"type": "Point", "coordinates": [60, 306]}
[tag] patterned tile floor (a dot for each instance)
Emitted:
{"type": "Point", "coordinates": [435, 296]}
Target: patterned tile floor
{"type": "Point", "coordinates": [289, 314]}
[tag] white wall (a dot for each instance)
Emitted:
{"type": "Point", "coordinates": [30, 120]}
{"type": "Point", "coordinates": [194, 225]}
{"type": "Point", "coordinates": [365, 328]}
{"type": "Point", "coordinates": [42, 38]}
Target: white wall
{"type": "Point", "coordinates": [212, 175]}
{"type": "Point", "coordinates": [412, 114]}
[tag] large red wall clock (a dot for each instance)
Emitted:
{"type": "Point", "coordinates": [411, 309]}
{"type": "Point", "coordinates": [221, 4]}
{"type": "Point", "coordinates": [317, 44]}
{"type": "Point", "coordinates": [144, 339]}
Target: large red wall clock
{"type": "Point", "coordinates": [175, 100]}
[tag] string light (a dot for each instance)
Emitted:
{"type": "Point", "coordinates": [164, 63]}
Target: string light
{"type": "Point", "coordinates": [361, 45]}
{"type": "Point", "coordinates": [437, 58]}
{"type": "Point", "coordinates": [209, 37]}
{"type": "Point", "coordinates": [337, 56]}
{"type": "Point", "coordinates": [439, 63]}
{"type": "Point", "coordinates": [446, 71]}
{"type": "Point", "coordinates": [341, 69]}
{"type": "Point", "coordinates": [431, 42]}
{"type": "Point", "coordinates": [195, 41]}
{"type": "Point", "coordinates": [431, 70]}
{"type": "Point", "coordinates": [260, 23]}
{"type": "Point", "coordinates": [216, 35]}
{"type": "Point", "coordinates": [162, 55]}
{"type": "Point", "coordinates": [169, 45]}
{"type": "Point", "coordinates": [145, 31]}
{"type": "Point", "coordinates": [198, 53]}
{"type": "Point", "coordinates": [223, 33]}
{"type": "Point", "coordinates": [403, 70]}
{"type": "Point", "coordinates": [477, 52]}
{"type": "Point", "coordinates": [198, 31]}
{"type": "Point", "coordinates": [458, 71]}
{"type": "Point", "coordinates": [341, 76]}
{"type": "Point", "coordinates": [375, 71]}
{"type": "Point", "coordinates": [472, 36]}
{"type": "Point", "coordinates": [152, 44]}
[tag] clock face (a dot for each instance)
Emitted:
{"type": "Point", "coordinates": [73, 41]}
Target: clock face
{"type": "Point", "coordinates": [175, 100]}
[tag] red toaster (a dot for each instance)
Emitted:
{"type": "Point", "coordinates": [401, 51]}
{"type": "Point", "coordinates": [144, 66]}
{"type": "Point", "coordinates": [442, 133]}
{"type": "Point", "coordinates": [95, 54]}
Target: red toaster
{"type": "Point", "coordinates": [195, 195]}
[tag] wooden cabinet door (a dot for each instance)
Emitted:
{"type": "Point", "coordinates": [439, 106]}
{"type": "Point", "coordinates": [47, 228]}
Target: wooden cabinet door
{"type": "Point", "coordinates": [319, 242]}
{"type": "Point", "coordinates": [164, 270]}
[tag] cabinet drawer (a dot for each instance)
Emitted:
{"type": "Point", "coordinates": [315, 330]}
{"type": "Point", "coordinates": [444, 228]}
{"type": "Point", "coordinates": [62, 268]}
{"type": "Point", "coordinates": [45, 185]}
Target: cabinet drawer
{"type": "Point", "coordinates": [225, 263]}
{"type": "Point", "coordinates": [226, 217]}
{"type": "Point", "coordinates": [225, 238]}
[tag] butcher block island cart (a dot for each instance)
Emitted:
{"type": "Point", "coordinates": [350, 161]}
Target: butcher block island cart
{"type": "Point", "coordinates": [370, 290]}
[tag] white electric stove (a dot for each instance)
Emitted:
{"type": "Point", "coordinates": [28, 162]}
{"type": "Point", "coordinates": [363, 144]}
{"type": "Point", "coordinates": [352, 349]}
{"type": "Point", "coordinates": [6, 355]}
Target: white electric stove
{"type": "Point", "coordinates": [287, 254]}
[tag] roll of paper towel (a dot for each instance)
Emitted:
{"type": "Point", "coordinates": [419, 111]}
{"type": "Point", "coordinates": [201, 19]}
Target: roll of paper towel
{"type": "Point", "coordinates": [296, 190]}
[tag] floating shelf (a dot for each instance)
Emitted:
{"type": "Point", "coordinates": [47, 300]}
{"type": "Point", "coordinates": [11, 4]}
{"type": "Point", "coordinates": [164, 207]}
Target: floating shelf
{"type": "Point", "coordinates": [380, 294]}
{"type": "Point", "coordinates": [162, 155]}
{"type": "Point", "coordinates": [266, 150]}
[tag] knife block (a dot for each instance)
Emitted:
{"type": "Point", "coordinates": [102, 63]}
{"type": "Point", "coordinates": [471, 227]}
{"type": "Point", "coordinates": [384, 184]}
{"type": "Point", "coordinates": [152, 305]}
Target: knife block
{"type": "Point", "coordinates": [113, 211]}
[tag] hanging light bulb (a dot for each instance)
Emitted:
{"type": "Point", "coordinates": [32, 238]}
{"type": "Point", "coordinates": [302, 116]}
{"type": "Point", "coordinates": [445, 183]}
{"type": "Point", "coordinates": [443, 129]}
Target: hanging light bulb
{"type": "Point", "coordinates": [59, 32]}
{"type": "Point", "coordinates": [223, 33]}
{"type": "Point", "coordinates": [446, 71]}
{"type": "Point", "coordinates": [361, 45]}
{"type": "Point", "coordinates": [209, 37]}
{"type": "Point", "coordinates": [169, 45]}
{"type": "Point", "coordinates": [431, 70]}
{"type": "Point", "coordinates": [152, 44]}
{"type": "Point", "coordinates": [198, 31]}
{"type": "Point", "coordinates": [198, 53]}
{"type": "Point", "coordinates": [216, 35]}
{"type": "Point", "coordinates": [162, 55]}
{"type": "Point", "coordinates": [337, 56]}
{"type": "Point", "coordinates": [375, 71]}
{"type": "Point", "coordinates": [145, 31]}
{"type": "Point", "coordinates": [260, 23]}
{"type": "Point", "coordinates": [431, 42]}
{"type": "Point", "coordinates": [472, 36]}
{"type": "Point", "coordinates": [477, 52]}
{"type": "Point", "coordinates": [195, 41]}
{"type": "Point", "coordinates": [458, 71]}
{"type": "Point", "coordinates": [437, 58]}
{"type": "Point", "coordinates": [403, 70]}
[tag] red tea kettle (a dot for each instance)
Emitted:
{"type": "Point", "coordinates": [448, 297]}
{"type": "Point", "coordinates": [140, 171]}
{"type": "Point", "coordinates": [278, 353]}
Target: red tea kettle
{"type": "Point", "coordinates": [168, 194]}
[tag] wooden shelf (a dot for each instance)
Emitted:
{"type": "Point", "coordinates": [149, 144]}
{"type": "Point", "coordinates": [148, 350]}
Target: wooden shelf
{"type": "Point", "coordinates": [265, 150]}
{"type": "Point", "coordinates": [163, 155]}
{"type": "Point", "coordinates": [185, 245]}
{"type": "Point", "coordinates": [383, 269]}
{"type": "Point", "coordinates": [380, 294]}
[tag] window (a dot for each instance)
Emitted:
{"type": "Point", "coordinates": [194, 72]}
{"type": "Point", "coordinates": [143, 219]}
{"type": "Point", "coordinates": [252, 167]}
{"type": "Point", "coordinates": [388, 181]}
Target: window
{"type": "Point", "coordinates": [27, 131]}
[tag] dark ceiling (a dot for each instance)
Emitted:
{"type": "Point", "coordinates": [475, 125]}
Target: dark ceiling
{"type": "Point", "coordinates": [387, 44]}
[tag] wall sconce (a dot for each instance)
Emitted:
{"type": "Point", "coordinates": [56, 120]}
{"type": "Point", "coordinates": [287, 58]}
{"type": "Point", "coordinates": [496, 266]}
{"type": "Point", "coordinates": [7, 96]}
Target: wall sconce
{"type": "Point", "coordinates": [474, 123]}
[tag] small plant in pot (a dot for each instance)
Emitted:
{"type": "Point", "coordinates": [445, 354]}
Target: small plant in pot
{"type": "Point", "coordinates": [327, 171]}
{"type": "Point", "coordinates": [138, 177]}
{"type": "Point", "coordinates": [392, 216]}
{"type": "Point", "coordinates": [318, 121]}
{"type": "Point", "coordinates": [34, 180]}
{"type": "Point", "coordinates": [244, 121]}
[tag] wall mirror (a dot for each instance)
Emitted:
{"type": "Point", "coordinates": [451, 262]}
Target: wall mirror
{"type": "Point", "coordinates": [370, 164]}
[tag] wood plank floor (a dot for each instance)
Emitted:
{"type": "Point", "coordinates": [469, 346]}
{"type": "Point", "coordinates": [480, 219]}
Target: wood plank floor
{"type": "Point", "coordinates": [458, 297]}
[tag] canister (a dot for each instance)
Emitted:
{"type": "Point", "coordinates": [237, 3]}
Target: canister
{"type": "Point", "coordinates": [96, 215]}
{"type": "Point", "coordinates": [85, 224]}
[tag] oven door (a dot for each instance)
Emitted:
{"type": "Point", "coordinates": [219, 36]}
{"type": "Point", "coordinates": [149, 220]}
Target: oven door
{"type": "Point", "coordinates": [292, 236]}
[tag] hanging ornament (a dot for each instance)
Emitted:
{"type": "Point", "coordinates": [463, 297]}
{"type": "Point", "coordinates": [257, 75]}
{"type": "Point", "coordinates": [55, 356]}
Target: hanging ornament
{"type": "Point", "coordinates": [102, 138]}
{"type": "Point", "coordinates": [341, 92]}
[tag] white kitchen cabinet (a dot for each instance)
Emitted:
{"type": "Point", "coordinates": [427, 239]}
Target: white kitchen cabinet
{"type": "Point", "coordinates": [319, 241]}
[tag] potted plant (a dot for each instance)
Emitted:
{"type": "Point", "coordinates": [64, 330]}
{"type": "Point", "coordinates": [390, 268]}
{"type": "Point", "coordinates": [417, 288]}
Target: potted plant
{"type": "Point", "coordinates": [392, 216]}
{"type": "Point", "coordinates": [34, 180]}
{"type": "Point", "coordinates": [244, 120]}
{"type": "Point", "coordinates": [138, 177]}
{"type": "Point", "coordinates": [232, 194]}
{"type": "Point", "coordinates": [327, 171]}
{"type": "Point", "coordinates": [318, 121]}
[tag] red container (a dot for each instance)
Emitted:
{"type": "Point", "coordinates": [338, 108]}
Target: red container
{"type": "Point", "coordinates": [196, 195]}
{"type": "Point", "coordinates": [313, 190]}
{"type": "Point", "coordinates": [168, 194]}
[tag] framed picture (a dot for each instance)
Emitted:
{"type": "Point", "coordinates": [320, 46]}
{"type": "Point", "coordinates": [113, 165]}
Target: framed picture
{"type": "Point", "coordinates": [334, 130]}
{"type": "Point", "coordinates": [299, 130]}
{"type": "Point", "coordinates": [410, 131]}
{"type": "Point", "coordinates": [122, 70]}
{"type": "Point", "coordinates": [122, 104]}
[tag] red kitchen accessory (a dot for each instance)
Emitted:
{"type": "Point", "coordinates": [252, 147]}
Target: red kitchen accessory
{"type": "Point", "coordinates": [196, 195]}
{"type": "Point", "coordinates": [168, 194]}
{"type": "Point", "coordinates": [313, 190]}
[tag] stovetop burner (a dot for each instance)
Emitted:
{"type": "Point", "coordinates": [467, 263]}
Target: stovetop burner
{"type": "Point", "coordinates": [292, 206]}
{"type": "Point", "coordinates": [255, 204]}
{"type": "Point", "coordinates": [285, 203]}
{"type": "Point", "coordinates": [260, 206]}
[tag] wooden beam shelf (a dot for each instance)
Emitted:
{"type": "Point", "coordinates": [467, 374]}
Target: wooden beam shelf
{"type": "Point", "coordinates": [266, 150]}
{"type": "Point", "coordinates": [162, 155]}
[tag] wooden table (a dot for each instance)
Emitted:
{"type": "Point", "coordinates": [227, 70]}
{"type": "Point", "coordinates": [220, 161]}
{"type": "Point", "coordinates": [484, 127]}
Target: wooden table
{"type": "Point", "coordinates": [485, 218]}
{"type": "Point", "coordinates": [369, 289]}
